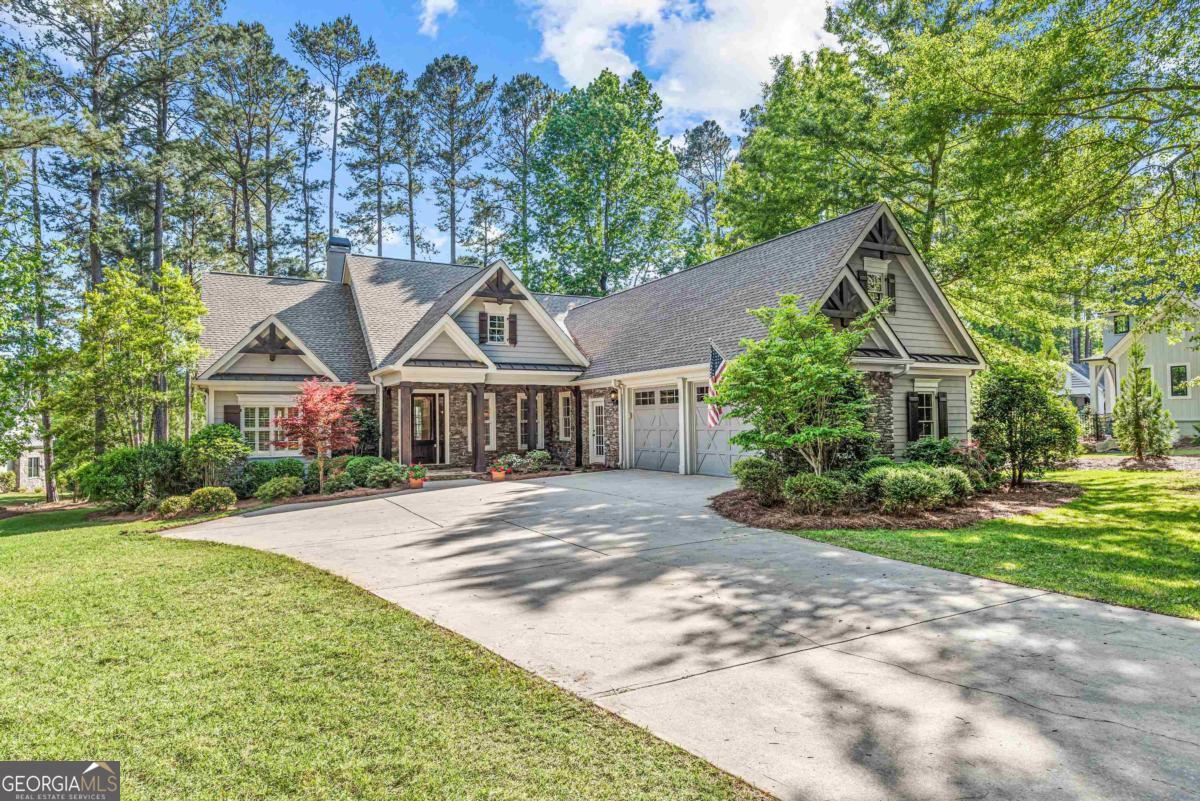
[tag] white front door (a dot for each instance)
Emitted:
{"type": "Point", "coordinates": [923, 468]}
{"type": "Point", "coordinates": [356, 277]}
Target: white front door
{"type": "Point", "coordinates": [596, 442]}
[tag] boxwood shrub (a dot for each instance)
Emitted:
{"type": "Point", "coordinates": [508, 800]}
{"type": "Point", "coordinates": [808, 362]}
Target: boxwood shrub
{"type": "Point", "coordinates": [913, 490]}
{"type": "Point", "coordinates": [279, 488]}
{"type": "Point", "coordinates": [809, 493]}
{"type": "Point", "coordinates": [174, 506]}
{"type": "Point", "coordinates": [212, 499]}
{"type": "Point", "coordinates": [761, 476]}
{"type": "Point", "coordinates": [359, 466]}
{"type": "Point", "coordinates": [957, 482]}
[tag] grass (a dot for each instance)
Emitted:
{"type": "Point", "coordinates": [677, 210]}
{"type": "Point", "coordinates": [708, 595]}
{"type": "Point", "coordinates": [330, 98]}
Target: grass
{"type": "Point", "coordinates": [20, 498]}
{"type": "Point", "coordinates": [1131, 539]}
{"type": "Point", "coordinates": [1188, 451]}
{"type": "Point", "coordinates": [214, 672]}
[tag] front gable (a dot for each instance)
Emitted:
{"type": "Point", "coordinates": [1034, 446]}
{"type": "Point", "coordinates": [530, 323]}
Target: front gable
{"type": "Point", "coordinates": [920, 316]}
{"type": "Point", "coordinates": [270, 349]}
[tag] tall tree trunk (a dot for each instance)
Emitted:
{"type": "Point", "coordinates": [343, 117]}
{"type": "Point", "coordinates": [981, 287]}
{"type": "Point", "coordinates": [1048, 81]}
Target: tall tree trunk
{"type": "Point", "coordinates": [378, 208]}
{"type": "Point", "coordinates": [269, 208]}
{"type": "Point", "coordinates": [95, 271]}
{"type": "Point", "coordinates": [247, 225]}
{"type": "Point", "coordinates": [333, 153]}
{"type": "Point", "coordinates": [159, 418]}
{"type": "Point", "coordinates": [412, 216]}
{"type": "Point", "coordinates": [233, 215]}
{"type": "Point", "coordinates": [308, 260]}
{"type": "Point", "coordinates": [47, 432]}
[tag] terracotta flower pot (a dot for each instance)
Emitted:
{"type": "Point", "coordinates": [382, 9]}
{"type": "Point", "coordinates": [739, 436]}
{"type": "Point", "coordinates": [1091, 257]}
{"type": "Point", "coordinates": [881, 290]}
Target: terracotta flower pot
{"type": "Point", "coordinates": [416, 483]}
{"type": "Point", "coordinates": [497, 475]}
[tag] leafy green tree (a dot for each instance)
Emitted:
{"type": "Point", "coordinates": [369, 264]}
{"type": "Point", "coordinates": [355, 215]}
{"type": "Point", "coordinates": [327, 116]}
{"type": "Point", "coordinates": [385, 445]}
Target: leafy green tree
{"type": "Point", "coordinates": [704, 158]}
{"type": "Point", "coordinates": [457, 107]}
{"type": "Point", "coordinates": [608, 206]}
{"type": "Point", "coordinates": [414, 157]}
{"type": "Point", "coordinates": [802, 400]}
{"type": "Point", "coordinates": [130, 331]}
{"type": "Point", "coordinates": [521, 106]}
{"type": "Point", "coordinates": [1140, 423]}
{"type": "Point", "coordinates": [309, 127]}
{"type": "Point", "coordinates": [485, 232]}
{"type": "Point", "coordinates": [1018, 414]}
{"type": "Point", "coordinates": [333, 49]}
{"type": "Point", "coordinates": [213, 451]}
{"type": "Point", "coordinates": [373, 102]}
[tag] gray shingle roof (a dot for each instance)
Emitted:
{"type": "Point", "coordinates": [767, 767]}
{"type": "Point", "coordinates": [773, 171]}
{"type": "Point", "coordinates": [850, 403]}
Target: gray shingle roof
{"type": "Point", "coordinates": [399, 298]}
{"type": "Point", "coordinates": [668, 322]}
{"type": "Point", "coordinates": [321, 314]}
{"type": "Point", "coordinates": [557, 304]}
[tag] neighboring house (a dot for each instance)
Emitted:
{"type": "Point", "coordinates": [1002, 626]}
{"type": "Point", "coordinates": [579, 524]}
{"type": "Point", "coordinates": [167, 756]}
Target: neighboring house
{"type": "Point", "coordinates": [1173, 366]}
{"type": "Point", "coordinates": [1077, 385]}
{"type": "Point", "coordinates": [463, 364]}
{"type": "Point", "coordinates": [29, 467]}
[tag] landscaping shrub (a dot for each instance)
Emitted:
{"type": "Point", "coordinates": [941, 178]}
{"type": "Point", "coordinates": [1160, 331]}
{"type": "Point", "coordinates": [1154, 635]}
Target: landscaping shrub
{"type": "Point", "coordinates": [936, 451]}
{"type": "Point", "coordinates": [116, 477]}
{"type": "Point", "coordinates": [760, 476]}
{"type": "Point", "coordinates": [809, 493]}
{"type": "Point", "coordinates": [1019, 415]}
{"type": "Point", "coordinates": [385, 475]}
{"type": "Point", "coordinates": [212, 499]}
{"type": "Point", "coordinates": [906, 491]}
{"type": "Point", "coordinates": [871, 483]}
{"type": "Point", "coordinates": [288, 466]}
{"type": "Point", "coordinates": [278, 488]}
{"type": "Point", "coordinates": [537, 461]}
{"type": "Point", "coordinates": [513, 462]}
{"type": "Point", "coordinates": [312, 479]}
{"type": "Point", "coordinates": [957, 482]}
{"type": "Point", "coordinates": [874, 462]}
{"type": "Point", "coordinates": [249, 476]}
{"type": "Point", "coordinates": [359, 466]}
{"type": "Point", "coordinates": [8, 481]}
{"type": "Point", "coordinates": [213, 453]}
{"type": "Point", "coordinates": [336, 465]}
{"type": "Point", "coordinates": [174, 506]}
{"type": "Point", "coordinates": [339, 483]}
{"type": "Point", "coordinates": [162, 465]}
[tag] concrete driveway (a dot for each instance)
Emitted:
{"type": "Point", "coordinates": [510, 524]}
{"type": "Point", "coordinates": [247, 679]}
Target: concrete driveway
{"type": "Point", "coordinates": [811, 671]}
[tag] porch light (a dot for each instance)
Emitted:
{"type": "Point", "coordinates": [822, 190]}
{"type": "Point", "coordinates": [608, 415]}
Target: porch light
{"type": "Point", "coordinates": [613, 395]}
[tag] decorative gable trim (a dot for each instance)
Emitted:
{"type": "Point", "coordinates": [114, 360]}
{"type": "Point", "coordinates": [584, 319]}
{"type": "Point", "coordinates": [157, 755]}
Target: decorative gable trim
{"type": "Point", "coordinates": [453, 330]}
{"type": "Point", "coordinates": [535, 309]}
{"type": "Point", "coordinates": [845, 274]}
{"type": "Point", "coordinates": [270, 324]}
{"type": "Point", "coordinates": [938, 304]}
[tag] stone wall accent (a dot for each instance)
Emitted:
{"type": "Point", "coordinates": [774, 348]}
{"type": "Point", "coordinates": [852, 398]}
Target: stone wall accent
{"type": "Point", "coordinates": [563, 450]}
{"type": "Point", "coordinates": [612, 430]}
{"type": "Point", "coordinates": [879, 384]}
{"type": "Point", "coordinates": [459, 412]}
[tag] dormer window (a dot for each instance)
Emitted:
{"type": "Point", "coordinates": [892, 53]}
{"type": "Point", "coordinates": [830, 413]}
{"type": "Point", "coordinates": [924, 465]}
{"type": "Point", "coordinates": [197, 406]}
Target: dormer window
{"type": "Point", "coordinates": [1121, 324]}
{"type": "Point", "coordinates": [497, 328]}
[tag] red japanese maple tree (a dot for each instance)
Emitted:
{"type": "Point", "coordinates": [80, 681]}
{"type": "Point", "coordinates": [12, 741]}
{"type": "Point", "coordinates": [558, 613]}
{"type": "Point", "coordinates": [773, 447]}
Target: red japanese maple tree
{"type": "Point", "coordinates": [320, 421]}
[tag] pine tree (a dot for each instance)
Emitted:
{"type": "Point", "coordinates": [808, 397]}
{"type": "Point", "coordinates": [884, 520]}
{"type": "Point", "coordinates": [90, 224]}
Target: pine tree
{"type": "Point", "coordinates": [309, 127]}
{"type": "Point", "coordinates": [1140, 423]}
{"type": "Point", "coordinates": [458, 110]}
{"type": "Point", "coordinates": [703, 159]}
{"type": "Point", "coordinates": [414, 161]}
{"type": "Point", "coordinates": [485, 232]}
{"type": "Point", "coordinates": [521, 106]}
{"type": "Point", "coordinates": [333, 49]}
{"type": "Point", "coordinates": [373, 103]}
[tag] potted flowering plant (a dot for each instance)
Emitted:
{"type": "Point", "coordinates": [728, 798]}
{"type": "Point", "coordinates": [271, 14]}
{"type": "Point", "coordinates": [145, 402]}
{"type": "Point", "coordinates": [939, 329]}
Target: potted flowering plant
{"type": "Point", "coordinates": [498, 469]}
{"type": "Point", "coordinates": [416, 475]}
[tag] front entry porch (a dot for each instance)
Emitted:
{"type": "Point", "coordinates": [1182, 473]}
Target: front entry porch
{"type": "Point", "coordinates": [465, 426]}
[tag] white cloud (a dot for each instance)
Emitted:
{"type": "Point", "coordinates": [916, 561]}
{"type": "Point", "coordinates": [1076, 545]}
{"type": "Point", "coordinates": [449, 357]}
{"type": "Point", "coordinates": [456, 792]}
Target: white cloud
{"type": "Point", "coordinates": [432, 11]}
{"type": "Point", "coordinates": [708, 58]}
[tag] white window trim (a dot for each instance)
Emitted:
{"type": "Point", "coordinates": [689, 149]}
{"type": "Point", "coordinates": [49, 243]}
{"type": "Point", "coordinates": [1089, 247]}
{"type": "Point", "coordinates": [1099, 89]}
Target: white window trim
{"type": "Point", "coordinates": [489, 400]}
{"type": "Point", "coordinates": [503, 329]}
{"type": "Point", "coordinates": [565, 412]}
{"type": "Point", "coordinates": [522, 444]}
{"type": "Point", "coordinates": [1185, 366]}
{"type": "Point", "coordinates": [272, 428]}
{"type": "Point", "coordinates": [933, 416]}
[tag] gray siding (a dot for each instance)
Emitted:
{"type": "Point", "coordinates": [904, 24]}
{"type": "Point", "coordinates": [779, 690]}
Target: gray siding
{"type": "Point", "coordinates": [534, 345]}
{"type": "Point", "coordinates": [955, 388]}
{"type": "Point", "coordinates": [259, 363]}
{"type": "Point", "coordinates": [911, 319]}
{"type": "Point", "coordinates": [442, 347]}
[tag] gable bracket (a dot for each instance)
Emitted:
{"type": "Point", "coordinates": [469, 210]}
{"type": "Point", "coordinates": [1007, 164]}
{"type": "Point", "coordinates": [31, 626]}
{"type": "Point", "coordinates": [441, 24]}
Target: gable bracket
{"type": "Point", "coordinates": [272, 344]}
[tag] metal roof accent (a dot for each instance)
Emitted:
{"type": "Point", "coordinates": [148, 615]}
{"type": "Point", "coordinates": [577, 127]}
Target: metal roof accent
{"type": "Point", "coordinates": [939, 358]}
{"type": "Point", "coordinates": [465, 363]}
{"type": "Point", "coordinates": [549, 368]}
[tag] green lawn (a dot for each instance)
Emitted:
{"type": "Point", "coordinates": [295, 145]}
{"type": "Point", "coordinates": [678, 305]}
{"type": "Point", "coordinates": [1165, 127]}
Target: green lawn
{"type": "Point", "coordinates": [216, 672]}
{"type": "Point", "coordinates": [1131, 539]}
{"type": "Point", "coordinates": [20, 498]}
{"type": "Point", "coordinates": [1189, 451]}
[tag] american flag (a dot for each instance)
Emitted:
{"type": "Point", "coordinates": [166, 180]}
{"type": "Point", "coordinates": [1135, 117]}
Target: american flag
{"type": "Point", "coordinates": [716, 369]}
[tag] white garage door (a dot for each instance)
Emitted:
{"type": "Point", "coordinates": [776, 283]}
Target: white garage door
{"type": "Point", "coordinates": [656, 429]}
{"type": "Point", "coordinates": [715, 454]}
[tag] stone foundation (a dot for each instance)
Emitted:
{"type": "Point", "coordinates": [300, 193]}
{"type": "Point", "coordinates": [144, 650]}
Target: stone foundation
{"type": "Point", "coordinates": [879, 384]}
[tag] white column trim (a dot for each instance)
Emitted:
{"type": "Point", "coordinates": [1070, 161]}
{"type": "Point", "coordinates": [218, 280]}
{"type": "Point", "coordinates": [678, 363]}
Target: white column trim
{"type": "Point", "coordinates": [681, 385]}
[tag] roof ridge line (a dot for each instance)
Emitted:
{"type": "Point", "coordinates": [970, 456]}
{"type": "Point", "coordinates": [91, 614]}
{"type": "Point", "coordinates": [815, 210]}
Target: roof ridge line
{"type": "Point", "coordinates": [736, 252]}
{"type": "Point", "coordinates": [273, 277]}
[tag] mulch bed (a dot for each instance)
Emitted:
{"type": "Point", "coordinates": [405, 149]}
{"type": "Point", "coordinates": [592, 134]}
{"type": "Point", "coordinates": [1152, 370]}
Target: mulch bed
{"type": "Point", "coordinates": [1151, 464]}
{"type": "Point", "coordinates": [741, 506]}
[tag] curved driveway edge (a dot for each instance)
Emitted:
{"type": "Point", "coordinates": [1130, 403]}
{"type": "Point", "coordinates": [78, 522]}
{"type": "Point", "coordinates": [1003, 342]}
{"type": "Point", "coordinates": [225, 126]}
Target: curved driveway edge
{"type": "Point", "coordinates": [811, 671]}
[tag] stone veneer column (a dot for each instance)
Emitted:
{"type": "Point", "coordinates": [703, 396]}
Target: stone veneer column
{"type": "Point", "coordinates": [405, 423]}
{"type": "Point", "coordinates": [879, 384]}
